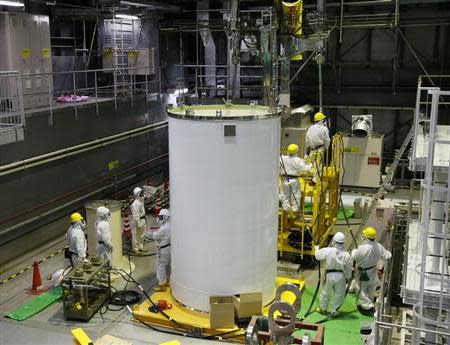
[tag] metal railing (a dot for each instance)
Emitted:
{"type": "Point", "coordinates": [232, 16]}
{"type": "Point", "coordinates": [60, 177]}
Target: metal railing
{"type": "Point", "coordinates": [11, 101]}
{"type": "Point", "coordinates": [98, 84]}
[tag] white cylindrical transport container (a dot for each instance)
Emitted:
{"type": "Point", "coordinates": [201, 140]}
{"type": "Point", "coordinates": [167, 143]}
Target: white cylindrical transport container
{"type": "Point", "coordinates": [224, 201]}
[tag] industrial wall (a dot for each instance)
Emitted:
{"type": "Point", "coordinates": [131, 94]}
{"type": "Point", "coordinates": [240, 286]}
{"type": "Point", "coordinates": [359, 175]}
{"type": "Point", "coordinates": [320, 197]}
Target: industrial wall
{"type": "Point", "coordinates": [108, 171]}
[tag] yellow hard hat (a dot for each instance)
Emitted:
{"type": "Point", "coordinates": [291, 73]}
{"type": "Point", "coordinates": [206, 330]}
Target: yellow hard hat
{"type": "Point", "coordinates": [319, 116]}
{"type": "Point", "coordinates": [370, 233]}
{"type": "Point", "coordinates": [76, 217]}
{"type": "Point", "coordinates": [292, 149]}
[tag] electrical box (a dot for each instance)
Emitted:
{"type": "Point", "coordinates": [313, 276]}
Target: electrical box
{"type": "Point", "coordinates": [362, 160]}
{"type": "Point", "coordinates": [293, 135]}
{"type": "Point", "coordinates": [144, 61]}
{"type": "Point", "coordinates": [25, 43]}
{"type": "Point", "coordinates": [85, 289]}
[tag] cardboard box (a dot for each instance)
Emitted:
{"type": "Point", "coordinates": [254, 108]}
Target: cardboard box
{"type": "Point", "coordinates": [221, 313]}
{"type": "Point", "coordinates": [248, 304]}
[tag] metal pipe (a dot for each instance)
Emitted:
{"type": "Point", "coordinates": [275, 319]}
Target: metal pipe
{"type": "Point", "coordinates": [92, 43]}
{"type": "Point", "coordinates": [45, 214]}
{"type": "Point", "coordinates": [410, 328]}
{"type": "Point", "coordinates": [320, 87]}
{"type": "Point", "coordinates": [34, 208]}
{"type": "Point", "coordinates": [302, 66]}
{"type": "Point", "coordinates": [74, 150]}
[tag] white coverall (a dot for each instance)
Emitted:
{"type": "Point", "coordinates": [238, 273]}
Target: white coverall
{"type": "Point", "coordinates": [162, 239]}
{"type": "Point", "coordinates": [317, 136]}
{"type": "Point", "coordinates": [368, 255]}
{"type": "Point", "coordinates": [290, 168]}
{"type": "Point", "coordinates": [334, 284]}
{"type": "Point", "coordinates": [138, 224]}
{"type": "Point", "coordinates": [104, 243]}
{"type": "Point", "coordinates": [77, 244]}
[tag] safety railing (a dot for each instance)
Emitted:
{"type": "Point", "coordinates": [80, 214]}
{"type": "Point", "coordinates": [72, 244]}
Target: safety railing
{"type": "Point", "coordinates": [11, 101]}
{"type": "Point", "coordinates": [96, 85]}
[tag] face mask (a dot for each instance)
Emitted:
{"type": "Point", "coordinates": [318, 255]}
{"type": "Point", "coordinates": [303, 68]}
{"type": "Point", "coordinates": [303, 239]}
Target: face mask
{"type": "Point", "coordinates": [83, 224]}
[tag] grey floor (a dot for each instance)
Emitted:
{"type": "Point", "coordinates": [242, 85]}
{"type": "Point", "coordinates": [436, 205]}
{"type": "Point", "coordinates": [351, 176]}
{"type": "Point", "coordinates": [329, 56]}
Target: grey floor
{"type": "Point", "coordinates": [49, 327]}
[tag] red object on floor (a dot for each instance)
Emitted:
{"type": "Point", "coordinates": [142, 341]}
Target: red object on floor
{"type": "Point", "coordinates": [163, 304]}
{"type": "Point", "coordinates": [37, 281]}
{"type": "Point", "coordinates": [126, 227]}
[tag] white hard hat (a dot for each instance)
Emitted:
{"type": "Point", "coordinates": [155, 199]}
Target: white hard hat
{"type": "Point", "coordinates": [339, 237]}
{"type": "Point", "coordinates": [164, 212]}
{"type": "Point", "coordinates": [102, 211]}
{"type": "Point", "coordinates": [137, 191]}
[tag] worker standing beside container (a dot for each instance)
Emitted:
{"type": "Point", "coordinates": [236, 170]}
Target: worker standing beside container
{"type": "Point", "coordinates": [162, 239]}
{"type": "Point", "coordinates": [139, 221]}
{"type": "Point", "coordinates": [317, 135]}
{"type": "Point", "coordinates": [104, 243]}
{"type": "Point", "coordinates": [291, 166]}
{"type": "Point", "coordinates": [76, 252]}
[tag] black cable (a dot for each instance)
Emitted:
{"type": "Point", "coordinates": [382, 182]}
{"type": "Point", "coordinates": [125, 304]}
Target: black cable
{"type": "Point", "coordinates": [125, 297]}
{"type": "Point", "coordinates": [176, 323]}
{"type": "Point", "coordinates": [140, 255]}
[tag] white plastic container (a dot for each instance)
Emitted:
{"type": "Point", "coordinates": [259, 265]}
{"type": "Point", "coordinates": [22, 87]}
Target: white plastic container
{"type": "Point", "coordinates": [224, 201]}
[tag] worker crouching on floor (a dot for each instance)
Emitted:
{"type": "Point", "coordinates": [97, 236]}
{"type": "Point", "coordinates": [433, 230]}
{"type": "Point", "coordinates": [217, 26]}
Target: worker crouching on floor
{"type": "Point", "coordinates": [291, 166]}
{"type": "Point", "coordinates": [162, 239]}
{"type": "Point", "coordinates": [338, 272]}
{"type": "Point", "coordinates": [139, 222]}
{"type": "Point", "coordinates": [367, 256]}
{"type": "Point", "coordinates": [76, 252]}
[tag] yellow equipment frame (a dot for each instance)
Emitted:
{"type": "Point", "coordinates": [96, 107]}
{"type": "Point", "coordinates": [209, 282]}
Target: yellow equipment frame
{"type": "Point", "coordinates": [324, 198]}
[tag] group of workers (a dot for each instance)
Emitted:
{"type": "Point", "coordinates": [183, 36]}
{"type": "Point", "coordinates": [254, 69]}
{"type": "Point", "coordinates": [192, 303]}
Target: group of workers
{"type": "Point", "coordinates": [292, 166]}
{"type": "Point", "coordinates": [369, 258]}
{"type": "Point", "coordinates": [339, 263]}
{"type": "Point", "coordinates": [76, 237]}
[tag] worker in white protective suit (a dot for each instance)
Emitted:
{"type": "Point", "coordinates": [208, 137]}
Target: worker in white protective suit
{"type": "Point", "coordinates": [368, 256]}
{"type": "Point", "coordinates": [138, 221]}
{"type": "Point", "coordinates": [317, 135]}
{"type": "Point", "coordinates": [291, 166]}
{"type": "Point", "coordinates": [162, 239]}
{"type": "Point", "coordinates": [104, 244]}
{"type": "Point", "coordinates": [338, 273]}
{"type": "Point", "coordinates": [77, 240]}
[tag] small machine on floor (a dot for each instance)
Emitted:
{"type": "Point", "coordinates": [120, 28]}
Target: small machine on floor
{"type": "Point", "coordinates": [85, 289]}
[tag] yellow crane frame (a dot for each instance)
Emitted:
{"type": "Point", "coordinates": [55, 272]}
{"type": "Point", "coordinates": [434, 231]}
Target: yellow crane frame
{"type": "Point", "coordinates": [323, 196]}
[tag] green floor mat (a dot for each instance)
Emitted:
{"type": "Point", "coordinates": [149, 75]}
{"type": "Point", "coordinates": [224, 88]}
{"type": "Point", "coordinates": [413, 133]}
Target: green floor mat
{"type": "Point", "coordinates": [348, 212]}
{"type": "Point", "coordinates": [344, 329]}
{"type": "Point", "coordinates": [36, 305]}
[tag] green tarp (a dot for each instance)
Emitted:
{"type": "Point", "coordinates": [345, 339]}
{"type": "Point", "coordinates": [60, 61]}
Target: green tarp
{"type": "Point", "coordinates": [344, 329]}
{"type": "Point", "coordinates": [36, 305]}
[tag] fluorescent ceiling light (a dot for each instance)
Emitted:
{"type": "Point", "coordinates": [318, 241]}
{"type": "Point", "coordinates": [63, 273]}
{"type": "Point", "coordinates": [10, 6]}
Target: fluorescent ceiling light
{"type": "Point", "coordinates": [126, 16]}
{"type": "Point", "coordinates": [11, 3]}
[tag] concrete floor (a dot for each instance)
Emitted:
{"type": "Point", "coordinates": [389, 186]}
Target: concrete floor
{"type": "Point", "coordinates": [49, 327]}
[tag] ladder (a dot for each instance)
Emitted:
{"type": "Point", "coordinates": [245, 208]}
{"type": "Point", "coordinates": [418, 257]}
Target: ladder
{"type": "Point", "coordinates": [389, 175]}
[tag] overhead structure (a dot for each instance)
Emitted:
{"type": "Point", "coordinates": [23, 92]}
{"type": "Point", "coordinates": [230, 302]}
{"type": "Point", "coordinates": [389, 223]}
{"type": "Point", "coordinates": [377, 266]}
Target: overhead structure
{"type": "Point", "coordinates": [224, 201]}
